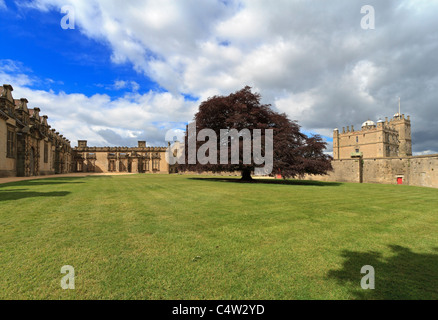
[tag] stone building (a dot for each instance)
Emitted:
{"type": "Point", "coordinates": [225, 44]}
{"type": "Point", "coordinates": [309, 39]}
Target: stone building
{"type": "Point", "coordinates": [380, 153]}
{"type": "Point", "coordinates": [140, 159]}
{"type": "Point", "coordinates": [382, 140]}
{"type": "Point", "coordinates": [28, 145]}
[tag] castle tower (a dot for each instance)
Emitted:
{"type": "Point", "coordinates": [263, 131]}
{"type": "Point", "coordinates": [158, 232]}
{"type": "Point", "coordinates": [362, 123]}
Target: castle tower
{"type": "Point", "coordinates": [403, 127]}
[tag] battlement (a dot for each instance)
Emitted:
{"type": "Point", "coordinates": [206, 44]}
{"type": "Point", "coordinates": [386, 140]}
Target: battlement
{"type": "Point", "coordinates": [83, 147]}
{"type": "Point", "coordinates": [120, 149]}
{"type": "Point", "coordinates": [378, 127]}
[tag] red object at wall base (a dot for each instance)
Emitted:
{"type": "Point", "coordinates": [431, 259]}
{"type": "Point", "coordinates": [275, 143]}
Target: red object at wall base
{"type": "Point", "coordinates": [399, 180]}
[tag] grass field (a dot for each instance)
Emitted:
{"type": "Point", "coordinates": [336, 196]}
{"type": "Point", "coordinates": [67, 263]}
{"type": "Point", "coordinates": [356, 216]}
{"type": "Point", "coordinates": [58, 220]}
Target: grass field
{"type": "Point", "coordinates": [182, 237]}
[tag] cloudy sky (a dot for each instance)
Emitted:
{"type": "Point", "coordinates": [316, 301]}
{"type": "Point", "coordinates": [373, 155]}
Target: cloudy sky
{"type": "Point", "coordinates": [131, 70]}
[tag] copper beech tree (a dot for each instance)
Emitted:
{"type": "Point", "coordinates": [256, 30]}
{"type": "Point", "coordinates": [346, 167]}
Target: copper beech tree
{"type": "Point", "coordinates": [294, 153]}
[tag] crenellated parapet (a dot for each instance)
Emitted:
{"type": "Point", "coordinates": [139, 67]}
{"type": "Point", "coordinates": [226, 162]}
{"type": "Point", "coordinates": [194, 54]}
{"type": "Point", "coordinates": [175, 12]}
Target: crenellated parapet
{"type": "Point", "coordinates": [141, 148]}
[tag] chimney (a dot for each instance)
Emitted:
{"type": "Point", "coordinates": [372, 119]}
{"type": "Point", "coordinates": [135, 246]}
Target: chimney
{"type": "Point", "coordinates": [7, 92]}
{"type": "Point", "coordinates": [36, 113]}
{"type": "Point", "coordinates": [23, 105]}
{"type": "Point", "coordinates": [142, 144]}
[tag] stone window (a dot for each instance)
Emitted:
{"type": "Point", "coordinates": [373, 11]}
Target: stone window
{"type": "Point", "coordinates": [357, 139]}
{"type": "Point", "coordinates": [147, 165]}
{"type": "Point", "coordinates": [10, 144]}
{"type": "Point", "coordinates": [156, 165]}
{"type": "Point", "coordinates": [46, 152]}
{"type": "Point", "coordinates": [112, 165]}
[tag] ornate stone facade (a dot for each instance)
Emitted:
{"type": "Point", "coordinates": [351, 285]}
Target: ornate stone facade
{"type": "Point", "coordinates": [140, 159]}
{"type": "Point", "coordinates": [28, 145]}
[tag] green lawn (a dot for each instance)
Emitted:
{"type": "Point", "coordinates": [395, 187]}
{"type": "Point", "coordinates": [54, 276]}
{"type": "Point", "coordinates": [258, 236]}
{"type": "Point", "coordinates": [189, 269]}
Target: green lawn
{"type": "Point", "coordinates": [182, 237]}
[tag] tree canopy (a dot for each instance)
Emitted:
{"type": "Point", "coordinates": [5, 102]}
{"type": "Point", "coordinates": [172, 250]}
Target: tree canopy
{"type": "Point", "coordinates": [294, 153]}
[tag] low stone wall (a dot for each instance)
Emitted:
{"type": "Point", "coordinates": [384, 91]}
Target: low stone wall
{"type": "Point", "coordinates": [414, 171]}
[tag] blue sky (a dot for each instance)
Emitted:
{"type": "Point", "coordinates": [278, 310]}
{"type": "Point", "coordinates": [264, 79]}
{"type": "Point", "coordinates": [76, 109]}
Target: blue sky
{"type": "Point", "coordinates": [133, 71]}
{"type": "Point", "coordinates": [63, 60]}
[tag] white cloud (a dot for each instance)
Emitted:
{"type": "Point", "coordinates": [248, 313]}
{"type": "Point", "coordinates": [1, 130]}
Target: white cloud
{"type": "Point", "coordinates": [131, 117]}
{"type": "Point", "coordinates": [2, 4]}
{"type": "Point", "coordinates": [309, 59]}
{"type": "Point", "coordinates": [121, 84]}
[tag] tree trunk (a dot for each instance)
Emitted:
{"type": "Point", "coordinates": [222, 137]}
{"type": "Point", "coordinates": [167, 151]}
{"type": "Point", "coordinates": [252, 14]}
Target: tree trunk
{"type": "Point", "coordinates": [246, 175]}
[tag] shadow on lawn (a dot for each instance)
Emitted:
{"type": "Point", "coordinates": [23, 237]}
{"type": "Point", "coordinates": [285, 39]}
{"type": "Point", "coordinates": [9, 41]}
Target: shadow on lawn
{"type": "Point", "coordinates": [17, 194]}
{"type": "Point", "coordinates": [48, 181]}
{"type": "Point", "coordinates": [273, 181]}
{"type": "Point", "coordinates": [406, 275]}
{"type": "Point", "coordinates": [14, 195]}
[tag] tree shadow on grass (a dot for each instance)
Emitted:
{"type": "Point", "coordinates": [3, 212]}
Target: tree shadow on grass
{"type": "Point", "coordinates": [6, 195]}
{"type": "Point", "coordinates": [34, 183]}
{"type": "Point", "coordinates": [405, 275]}
{"type": "Point", "coordinates": [48, 181]}
{"type": "Point", "coordinates": [271, 181]}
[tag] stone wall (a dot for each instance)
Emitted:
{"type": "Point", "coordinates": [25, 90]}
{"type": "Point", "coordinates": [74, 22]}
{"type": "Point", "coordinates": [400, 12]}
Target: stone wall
{"type": "Point", "coordinates": [7, 165]}
{"type": "Point", "coordinates": [423, 171]}
{"type": "Point", "coordinates": [413, 171]}
{"type": "Point", "coordinates": [343, 171]}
